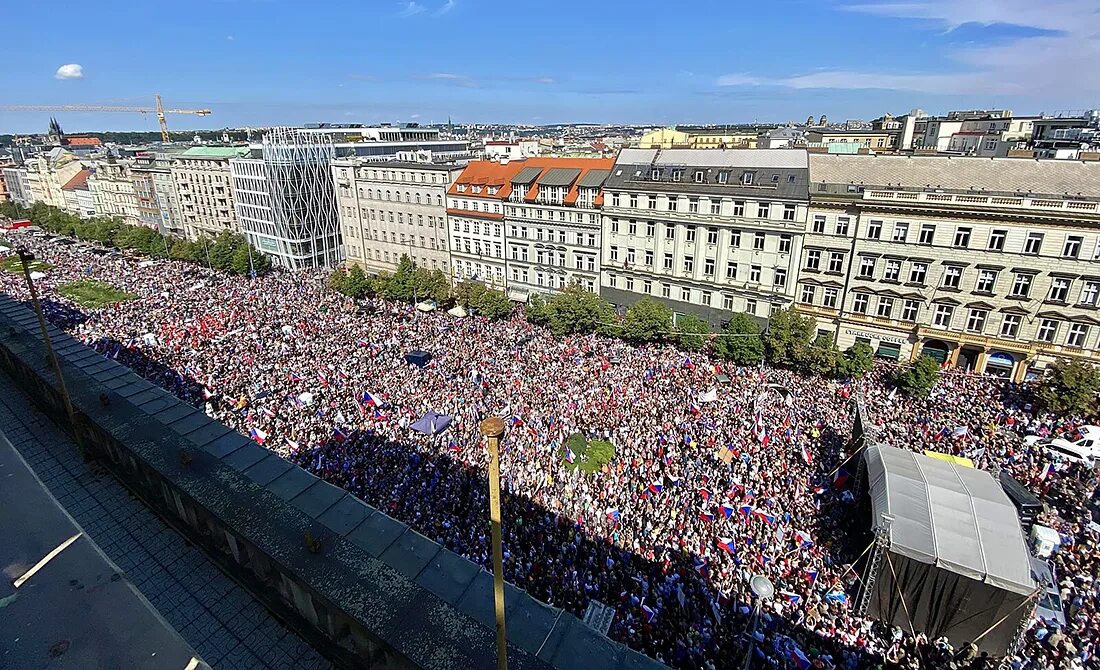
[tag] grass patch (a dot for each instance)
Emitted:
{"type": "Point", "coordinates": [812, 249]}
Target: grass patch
{"type": "Point", "coordinates": [94, 294]}
{"type": "Point", "coordinates": [591, 456]}
{"type": "Point", "coordinates": [13, 265]}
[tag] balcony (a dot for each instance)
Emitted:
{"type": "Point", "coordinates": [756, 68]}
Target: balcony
{"type": "Point", "coordinates": [986, 201]}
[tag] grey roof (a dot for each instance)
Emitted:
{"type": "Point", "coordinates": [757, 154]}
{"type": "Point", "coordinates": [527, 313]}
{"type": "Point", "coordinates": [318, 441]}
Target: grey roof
{"type": "Point", "coordinates": [994, 175]}
{"type": "Point", "coordinates": [956, 518]}
{"type": "Point", "coordinates": [594, 178]}
{"type": "Point", "coordinates": [527, 175]}
{"type": "Point", "coordinates": [732, 158]}
{"type": "Point", "coordinates": [559, 177]}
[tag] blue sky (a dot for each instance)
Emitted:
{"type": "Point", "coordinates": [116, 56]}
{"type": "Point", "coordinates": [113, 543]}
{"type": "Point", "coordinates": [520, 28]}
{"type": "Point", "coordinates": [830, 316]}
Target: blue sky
{"type": "Point", "coordinates": [264, 62]}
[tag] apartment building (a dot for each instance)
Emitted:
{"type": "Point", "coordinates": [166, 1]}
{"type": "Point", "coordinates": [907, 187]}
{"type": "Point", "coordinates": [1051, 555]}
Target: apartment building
{"type": "Point", "coordinates": [15, 179]}
{"type": "Point", "coordinates": [475, 219]}
{"type": "Point", "coordinates": [47, 173]}
{"type": "Point", "coordinates": [707, 232]}
{"type": "Point", "coordinates": [78, 196]}
{"type": "Point", "coordinates": [202, 187]}
{"type": "Point", "coordinates": [552, 224]}
{"type": "Point", "coordinates": [990, 264]}
{"type": "Point", "coordinates": [156, 191]}
{"type": "Point", "coordinates": [113, 193]}
{"type": "Point", "coordinates": [394, 208]}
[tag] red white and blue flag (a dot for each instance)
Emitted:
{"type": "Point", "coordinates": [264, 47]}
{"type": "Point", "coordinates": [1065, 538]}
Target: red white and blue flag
{"type": "Point", "coordinates": [726, 544]}
{"type": "Point", "coordinates": [258, 435]}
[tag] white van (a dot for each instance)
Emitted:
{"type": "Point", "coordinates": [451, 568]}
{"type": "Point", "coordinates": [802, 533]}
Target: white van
{"type": "Point", "coordinates": [1044, 540]}
{"type": "Point", "coordinates": [1069, 451]}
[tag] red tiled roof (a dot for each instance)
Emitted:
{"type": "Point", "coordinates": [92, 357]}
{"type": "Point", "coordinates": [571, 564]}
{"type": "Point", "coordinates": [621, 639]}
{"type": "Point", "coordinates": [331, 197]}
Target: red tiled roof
{"type": "Point", "coordinates": [79, 181]}
{"type": "Point", "coordinates": [491, 173]}
{"type": "Point", "coordinates": [82, 141]}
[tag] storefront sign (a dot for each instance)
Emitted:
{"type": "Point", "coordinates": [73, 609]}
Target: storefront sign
{"type": "Point", "coordinates": [872, 336]}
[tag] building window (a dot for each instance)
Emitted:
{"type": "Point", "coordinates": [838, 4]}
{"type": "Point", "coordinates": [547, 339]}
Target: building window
{"type": "Point", "coordinates": [689, 234]}
{"type": "Point", "coordinates": [614, 253]}
{"type": "Point", "coordinates": [685, 295]}
{"type": "Point", "coordinates": [750, 306]}
{"type": "Point", "coordinates": [672, 203]}
{"type": "Point", "coordinates": [754, 274]}
{"type": "Point", "coordinates": [634, 201]}
{"type": "Point", "coordinates": [997, 240]}
{"type": "Point", "coordinates": [909, 310]}
{"type": "Point", "coordinates": [866, 267]}
{"type": "Point", "coordinates": [723, 176]}
{"type": "Point", "coordinates": [727, 302]}
{"type": "Point", "coordinates": [735, 239]}
{"type": "Point", "coordinates": [819, 224]}
{"type": "Point", "coordinates": [698, 176]}
{"type": "Point", "coordinates": [1059, 289]}
{"type": "Point", "coordinates": [712, 236]}
{"type": "Point", "coordinates": [652, 202]}
{"type": "Point", "coordinates": [1010, 325]}
{"type": "Point", "coordinates": [829, 297]}
{"type": "Point", "coordinates": [668, 262]}
{"type": "Point", "coordinates": [892, 270]}
{"type": "Point", "coordinates": [975, 321]}
{"type": "Point", "coordinates": [808, 294]}
{"type": "Point", "coordinates": [758, 241]}
{"type": "Point", "coordinates": [693, 205]}
{"type": "Point", "coordinates": [1048, 328]}
{"type": "Point", "coordinates": [704, 298]}
{"type": "Point", "coordinates": [1021, 286]}
{"type": "Point", "coordinates": [885, 307]}
{"type": "Point", "coordinates": [784, 244]}
{"type": "Point", "coordinates": [708, 267]}
{"type": "Point", "coordinates": [763, 210]}
{"type": "Point", "coordinates": [813, 259]}
{"type": "Point", "coordinates": [874, 230]}
{"type": "Point", "coordinates": [715, 208]}
{"type": "Point", "coordinates": [647, 286]}
{"type": "Point", "coordinates": [689, 264]}
{"type": "Point", "coordinates": [859, 303]}
{"type": "Point", "coordinates": [1089, 293]}
{"type": "Point", "coordinates": [962, 238]}
{"type": "Point", "coordinates": [927, 234]}
{"type": "Point", "coordinates": [629, 283]}
{"type": "Point", "coordinates": [842, 223]}
{"type": "Point", "coordinates": [836, 262]}
{"type": "Point", "coordinates": [941, 317]}
{"type": "Point", "coordinates": [1076, 335]}
{"type": "Point", "coordinates": [987, 280]}
{"type": "Point", "coordinates": [666, 290]}
{"type": "Point", "coordinates": [1034, 244]}
{"type": "Point", "coordinates": [780, 279]}
{"type": "Point", "coordinates": [731, 270]}
{"type": "Point", "coordinates": [952, 276]}
{"type": "Point", "coordinates": [901, 230]}
{"type": "Point", "coordinates": [648, 259]}
{"type": "Point", "coordinates": [632, 227]}
{"type": "Point", "coordinates": [614, 226]}
{"type": "Point", "coordinates": [1072, 246]}
{"type": "Point", "coordinates": [788, 212]}
{"type": "Point", "coordinates": [670, 231]}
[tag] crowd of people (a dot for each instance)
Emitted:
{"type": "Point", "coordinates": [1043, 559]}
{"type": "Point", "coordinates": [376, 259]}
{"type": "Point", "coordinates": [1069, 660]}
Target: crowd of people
{"type": "Point", "coordinates": [719, 473]}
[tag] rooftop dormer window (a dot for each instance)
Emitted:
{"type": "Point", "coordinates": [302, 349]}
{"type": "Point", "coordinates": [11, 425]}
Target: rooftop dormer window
{"type": "Point", "coordinates": [723, 177]}
{"type": "Point", "coordinates": [748, 178]}
{"type": "Point", "coordinates": [677, 175]}
{"type": "Point", "coordinates": [462, 188]}
{"type": "Point", "coordinates": [493, 190]}
{"type": "Point", "coordinates": [477, 189]}
{"type": "Point", "coordinates": [655, 175]}
{"type": "Point", "coordinates": [698, 176]}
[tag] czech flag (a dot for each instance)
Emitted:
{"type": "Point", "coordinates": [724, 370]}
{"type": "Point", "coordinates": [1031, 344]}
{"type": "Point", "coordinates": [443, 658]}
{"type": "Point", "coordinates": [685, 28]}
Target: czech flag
{"type": "Point", "coordinates": [453, 446]}
{"type": "Point", "coordinates": [799, 658]}
{"type": "Point", "coordinates": [791, 597]}
{"type": "Point", "coordinates": [294, 377]}
{"type": "Point", "coordinates": [324, 381]}
{"type": "Point", "coordinates": [806, 455]}
{"type": "Point", "coordinates": [840, 479]}
{"type": "Point", "coordinates": [701, 567]}
{"type": "Point", "coordinates": [726, 509]}
{"type": "Point", "coordinates": [706, 515]}
{"type": "Point", "coordinates": [369, 400]}
{"type": "Point", "coordinates": [764, 559]}
{"type": "Point", "coordinates": [339, 435]}
{"type": "Point", "coordinates": [811, 576]}
{"type": "Point", "coordinates": [705, 494]}
{"type": "Point", "coordinates": [649, 612]}
{"type": "Point", "coordinates": [614, 515]}
{"type": "Point", "coordinates": [291, 443]}
{"type": "Point", "coordinates": [745, 510]}
{"type": "Point", "coordinates": [569, 455]}
{"type": "Point", "coordinates": [765, 516]}
{"type": "Point", "coordinates": [656, 487]}
{"type": "Point", "coordinates": [726, 544]}
{"type": "Point", "coordinates": [258, 435]}
{"type": "Point", "coordinates": [803, 538]}
{"type": "Point", "coordinates": [515, 421]}
{"type": "Point", "coordinates": [1047, 471]}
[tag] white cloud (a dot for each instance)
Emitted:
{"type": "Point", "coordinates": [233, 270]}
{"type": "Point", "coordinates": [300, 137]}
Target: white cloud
{"type": "Point", "coordinates": [545, 80]}
{"type": "Point", "coordinates": [70, 71]}
{"type": "Point", "coordinates": [447, 6]}
{"type": "Point", "coordinates": [1054, 64]}
{"type": "Point", "coordinates": [414, 116]}
{"type": "Point", "coordinates": [411, 8]}
{"type": "Point", "coordinates": [458, 79]}
{"type": "Point", "coordinates": [229, 37]}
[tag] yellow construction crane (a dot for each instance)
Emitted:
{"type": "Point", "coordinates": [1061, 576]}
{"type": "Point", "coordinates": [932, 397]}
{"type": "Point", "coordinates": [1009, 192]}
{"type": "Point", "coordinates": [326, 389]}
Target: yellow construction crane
{"type": "Point", "coordinates": [159, 110]}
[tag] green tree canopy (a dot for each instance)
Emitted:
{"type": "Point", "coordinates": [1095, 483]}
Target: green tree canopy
{"type": "Point", "coordinates": [745, 349]}
{"type": "Point", "coordinates": [691, 331]}
{"type": "Point", "coordinates": [1070, 387]}
{"type": "Point", "coordinates": [919, 378]}
{"type": "Point", "coordinates": [788, 336]}
{"type": "Point", "coordinates": [647, 321]}
{"type": "Point", "coordinates": [577, 310]}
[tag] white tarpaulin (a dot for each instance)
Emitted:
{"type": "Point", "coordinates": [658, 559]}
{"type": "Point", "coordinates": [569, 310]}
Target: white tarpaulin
{"type": "Point", "coordinates": [36, 275]}
{"type": "Point", "coordinates": [709, 396]}
{"type": "Point", "coordinates": [306, 398]}
{"type": "Point", "coordinates": [4, 250]}
{"type": "Point", "coordinates": [147, 264]}
{"type": "Point", "coordinates": [288, 330]}
{"type": "Point", "coordinates": [426, 306]}
{"type": "Point", "coordinates": [457, 311]}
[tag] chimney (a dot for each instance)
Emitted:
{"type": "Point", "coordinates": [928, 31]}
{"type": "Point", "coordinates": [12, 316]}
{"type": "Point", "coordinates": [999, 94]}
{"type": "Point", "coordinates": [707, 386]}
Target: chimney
{"type": "Point", "coordinates": [503, 159]}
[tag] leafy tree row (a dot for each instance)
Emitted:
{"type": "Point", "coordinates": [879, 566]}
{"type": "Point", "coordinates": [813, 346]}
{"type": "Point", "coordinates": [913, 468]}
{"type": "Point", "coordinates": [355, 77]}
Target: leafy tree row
{"type": "Point", "coordinates": [228, 251]}
{"type": "Point", "coordinates": [408, 284]}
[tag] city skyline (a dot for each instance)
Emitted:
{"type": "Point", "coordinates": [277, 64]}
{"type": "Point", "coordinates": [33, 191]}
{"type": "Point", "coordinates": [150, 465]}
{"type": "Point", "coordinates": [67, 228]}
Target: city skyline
{"type": "Point", "coordinates": [260, 62]}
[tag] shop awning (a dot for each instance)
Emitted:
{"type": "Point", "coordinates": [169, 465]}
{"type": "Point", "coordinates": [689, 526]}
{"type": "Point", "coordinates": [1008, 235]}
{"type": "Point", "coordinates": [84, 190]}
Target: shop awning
{"type": "Point", "coordinates": [887, 350]}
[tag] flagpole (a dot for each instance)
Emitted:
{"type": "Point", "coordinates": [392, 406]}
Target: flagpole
{"type": "Point", "coordinates": [493, 429]}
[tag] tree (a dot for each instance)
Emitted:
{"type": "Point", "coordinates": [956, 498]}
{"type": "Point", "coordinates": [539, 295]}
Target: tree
{"type": "Point", "coordinates": [745, 349]}
{"type": "Point", "coordinates": [536, 311]}
{"type": "Point", "coordinates": [577, 310]}
{"type": "Point", "coordinates": [431, 284]}
{"type": "Point", "coordinates": [788, 335]}
{"type": "Point", "coordinates": [1070, 387]}
{"type": "Point", "coordinates": [338, 281]}
{"type": "Point", "coordinates": [225, 245]}
{"type": "Point", "coordinates": [690, 332]}
{"type": "Point", "coordinates": [646, 321]}
{"type": "Point", "coordinates": [918, 378]}
{"type": "Point", "coordinates": [357, 283]}
{"type": "Point", "coordinates": [494, 305]}
{"type": "Point", "coordinates": [859, 359]}
{"type": "Point", "coordinates": [820, 358]}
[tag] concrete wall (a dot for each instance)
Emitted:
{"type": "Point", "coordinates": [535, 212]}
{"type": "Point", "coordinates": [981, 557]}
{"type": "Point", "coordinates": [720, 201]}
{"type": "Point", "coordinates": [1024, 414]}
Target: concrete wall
{"type": "Point", "coordinates": [377, 594]}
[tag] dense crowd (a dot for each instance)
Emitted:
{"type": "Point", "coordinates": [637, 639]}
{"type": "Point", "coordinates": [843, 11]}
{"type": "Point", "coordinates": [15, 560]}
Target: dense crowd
{"type": "Point", "coordinates": [719, 473]}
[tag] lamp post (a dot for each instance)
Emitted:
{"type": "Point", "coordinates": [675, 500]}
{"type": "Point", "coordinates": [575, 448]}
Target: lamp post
{"type": "Point", "coordinates": [493, 429]}
{"type": "Point", "coordinates": [25, 258]}
{"type": "Point", "coordinates": [763, 589]}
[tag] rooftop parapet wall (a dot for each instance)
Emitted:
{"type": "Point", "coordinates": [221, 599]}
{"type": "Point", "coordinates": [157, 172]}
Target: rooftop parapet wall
{"type": "Point", "coordinates": [377, 594]}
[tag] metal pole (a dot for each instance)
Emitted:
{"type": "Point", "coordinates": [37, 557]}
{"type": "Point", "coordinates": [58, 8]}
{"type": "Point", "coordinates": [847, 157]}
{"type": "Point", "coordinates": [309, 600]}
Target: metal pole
{"type": "Point", "coordinates": [25, 257]}
{"type": "Point", "coordinates": [493, 428]}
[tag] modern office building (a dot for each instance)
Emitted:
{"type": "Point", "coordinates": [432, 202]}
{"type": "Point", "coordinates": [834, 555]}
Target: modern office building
{"type": "Point", "coordinates": [203, 190]}
{"type": "Point", "coordinates": [394, 208]}
{"type": "Point", "coordinates": [285, 198]}
{"type": "Point", "coordinates": [552, 224]}
{"type": "Point", "coordinates": [990, 264]}
{"type": "Point", "coordinates": [708, 232]}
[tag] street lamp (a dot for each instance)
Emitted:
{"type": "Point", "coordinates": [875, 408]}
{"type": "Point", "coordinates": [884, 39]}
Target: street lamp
{"type": "Point", "coordinates": [763, 589]}
{"type": "Point", "coordinates": [493, 429]}
{"type": "Point", "coordinates": [25, 258]}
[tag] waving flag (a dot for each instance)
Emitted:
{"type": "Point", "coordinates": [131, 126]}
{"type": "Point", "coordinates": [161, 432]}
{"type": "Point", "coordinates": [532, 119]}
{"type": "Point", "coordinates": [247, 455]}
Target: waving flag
{"type": "Point", "coordinates": [339, 435]}
{"type": "Point", "coordinates": [614, 514]}
{"type": "Point", "coordinates": [207, 394]}
{"type": "Point", "coordinates": [453, 446]}
{"type": "Point", "coordinates": [811, 576]}
{"type": "Point", "coordinates": [656, 487]}
{"type": "Point", "coordinates": [649, 612]}
{"type": "Point", "coordinates": [806, 455]}
{"type": "Point", "coordinates": [726, 509]}
{"type": "Point", "coordinates": [258, 435]}
{"type": "Point", "coordinates": [726, 544]}
{"type": "Point", "coordinates": [799, 658]}
{"type": "Point", "coordinates": [706, 515]}
{"type": "Point", "coordinates": [746, 510]}
{"type": "Point", "coordinates": [515, 421]}
{"type": "Point", "coordinates": [840, 479]}
{"type": "Point", "coordinates": [291, 443]}
{"type": "Point", "coordinates": [294, 377]}
{"type": "Point", "coordinates": [761, 514]}
{"type": "Point", "coordinates": [369, 399]}
{"type": "Point", "coordinates": [803, 538]}
{"type": "Point", "coordinates": [701, 566]}
{"type": "Point", "coordinates": [791, 597]}
{"type": "Point", "coordinates": [837, 597]}
{"type": "Point", "coordinates": [570, 457]}
{"type": "Point", "coordinates": [323, 379]}
{"type": "Point", "coordinates": [764, 559]}
{"type": "Point", "coordinates": [1047, 471]}
{"type": "Point", "coordinates": [705, 494]}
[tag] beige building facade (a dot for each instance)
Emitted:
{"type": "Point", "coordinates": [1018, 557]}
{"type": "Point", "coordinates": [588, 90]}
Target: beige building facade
{"type": "Point", "coordinates": [394, 208]}
{"type": "Point", "coordinates": [985, 264]}
{"type": "Point", "coordinates": [203, 190]}
{"type": "Point", "coordinates": [113, 194]}
{"type": "Point", "coordinates": [47, 173]}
